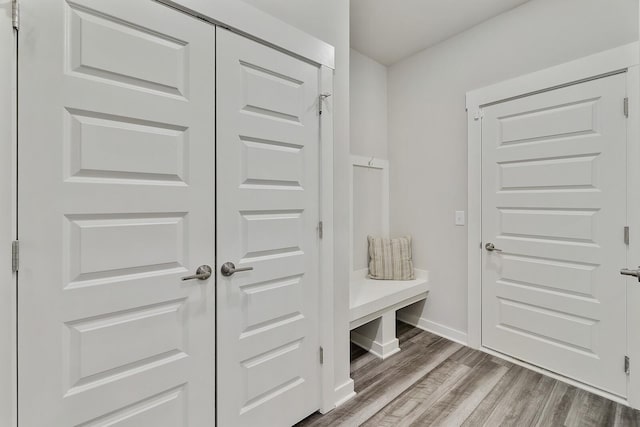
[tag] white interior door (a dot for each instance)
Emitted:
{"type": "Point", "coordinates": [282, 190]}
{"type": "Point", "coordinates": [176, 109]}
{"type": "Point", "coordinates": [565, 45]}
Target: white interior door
{"type": "Point", "coordinates": [554, 203]}
{"type": "Point", "coordinates": [267, 217]}
{"type": "Point", "coordinates": [116, 173]}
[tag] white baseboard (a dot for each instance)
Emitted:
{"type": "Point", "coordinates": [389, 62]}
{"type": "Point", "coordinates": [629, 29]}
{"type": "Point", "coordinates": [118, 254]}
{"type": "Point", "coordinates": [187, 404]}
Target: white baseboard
{"type": "Point", "coordinates": [381, 350]}
{"type": "Point", "coordinates": [344, 393]}
{"type": "Point", "coordinates": [433, 327]}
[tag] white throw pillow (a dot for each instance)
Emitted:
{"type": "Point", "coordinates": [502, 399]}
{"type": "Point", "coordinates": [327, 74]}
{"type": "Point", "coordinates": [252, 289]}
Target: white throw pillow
{"type": "Point", "coordinates": [390, 259]}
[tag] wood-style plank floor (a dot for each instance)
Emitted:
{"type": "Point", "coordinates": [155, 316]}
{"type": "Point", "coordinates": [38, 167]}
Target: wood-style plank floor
{"type": "Point", "coordinates": [436, 382]}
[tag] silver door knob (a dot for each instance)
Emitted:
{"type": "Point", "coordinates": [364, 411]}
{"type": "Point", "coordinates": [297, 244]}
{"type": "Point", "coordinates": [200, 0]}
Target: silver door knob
{"type": "Point", "coordinates": [202, 273]}
{"type": "Point", "coordinates": [229, 268]}
{"type": "Point", "coordinates": [634, 273]}
{"type": "Point", "coordinates": [491, 248]}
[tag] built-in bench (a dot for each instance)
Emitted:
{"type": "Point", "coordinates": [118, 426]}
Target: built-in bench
{"type": "Point", "coordinates": [373, 306]}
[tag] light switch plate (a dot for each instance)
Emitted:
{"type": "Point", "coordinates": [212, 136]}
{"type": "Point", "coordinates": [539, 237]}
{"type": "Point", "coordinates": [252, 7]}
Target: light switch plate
{"type": "Point", "coordinates": [460, 218]}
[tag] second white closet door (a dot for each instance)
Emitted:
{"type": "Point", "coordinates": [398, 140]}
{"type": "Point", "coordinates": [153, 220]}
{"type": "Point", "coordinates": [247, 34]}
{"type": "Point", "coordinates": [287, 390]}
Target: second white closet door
{"type": "Point", "coordinates": [267, 217]}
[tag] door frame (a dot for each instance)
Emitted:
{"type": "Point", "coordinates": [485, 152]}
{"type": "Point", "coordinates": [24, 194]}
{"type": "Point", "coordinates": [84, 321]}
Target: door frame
{"type": "Point", "coordinates": [625, 59]}
{"type": "Point", "coordinates": [8, 217]}
{"type": "Point", "coordinates": [326, 281]}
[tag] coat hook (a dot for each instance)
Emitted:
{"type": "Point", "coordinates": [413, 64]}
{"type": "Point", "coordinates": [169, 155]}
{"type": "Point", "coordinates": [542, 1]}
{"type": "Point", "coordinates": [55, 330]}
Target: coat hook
{"type": "Point", "coordinates": [321, 98]}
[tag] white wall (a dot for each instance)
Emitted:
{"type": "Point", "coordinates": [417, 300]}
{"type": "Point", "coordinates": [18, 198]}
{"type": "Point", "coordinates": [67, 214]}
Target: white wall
{"type": "Point", "coordinates": [368, 215]}
{"type": "Point", "coordinates": [427, 123]}
{"type": "Point", "coordinates": [368, 106]}
{"type": "Point", "coordinates": [328, 20]}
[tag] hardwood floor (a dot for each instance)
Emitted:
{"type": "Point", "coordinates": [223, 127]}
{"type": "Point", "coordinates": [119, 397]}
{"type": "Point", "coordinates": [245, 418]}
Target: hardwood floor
{"type": "Point", "coordinates": [434, 381]}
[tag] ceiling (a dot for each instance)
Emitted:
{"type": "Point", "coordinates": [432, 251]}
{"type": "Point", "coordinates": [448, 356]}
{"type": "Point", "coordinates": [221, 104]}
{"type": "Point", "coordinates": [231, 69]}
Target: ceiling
{"type": "Point", "coordinates": [391, 30]}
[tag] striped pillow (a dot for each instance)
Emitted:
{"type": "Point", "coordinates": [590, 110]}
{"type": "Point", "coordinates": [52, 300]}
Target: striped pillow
{"type": "Point", "coordinates": [390, 259]}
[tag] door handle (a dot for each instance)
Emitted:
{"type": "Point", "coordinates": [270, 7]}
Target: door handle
{"type": "Point", "coordinates": [634, 273]}
{"type": "Point", "coordinates": [229, 268]}
{"type": "Point", "coordinates": [491, 248]}
{"type": "Point", "coordinates": [202, 273]}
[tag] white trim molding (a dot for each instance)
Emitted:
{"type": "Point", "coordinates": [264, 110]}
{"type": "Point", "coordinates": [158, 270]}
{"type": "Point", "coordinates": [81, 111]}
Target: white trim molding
{"type": "Point", "coordinates": [474, 229]}
{"type": "Point", "coordinates": [251, 22]}
{"type": "Point", "coordinates": [327, 314]}
{"type": "Point", "coordinates": [378, 336]}
{"type": "Point", "coordinates": [622, 59]}
{"type": "Point", "coordinates": [344, 393]}
{"type": "Point", "coordinates": [8, 218]}
{"type": "Point", "coordinates": [410, 318]}
{"type": "Point", "coordinates": [633, 218]}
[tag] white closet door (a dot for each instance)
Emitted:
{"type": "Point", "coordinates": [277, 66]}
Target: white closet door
{"type": "Point", "coordinates": [267, 217]}
{"type": "Point", "coordinates": [554, 202]}
{"type": "Point", "coordinates": [116, 173]}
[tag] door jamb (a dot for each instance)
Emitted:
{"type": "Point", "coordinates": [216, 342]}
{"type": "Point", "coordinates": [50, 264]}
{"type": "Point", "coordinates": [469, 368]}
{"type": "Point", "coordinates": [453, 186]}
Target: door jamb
{"type": "Point", "coordinates": [9, 215]}
{"type": "Point", "coordinates": [620, 59]}
{"type": "Point", "coordinates": [326, 318]}
{"type": "Point", "coordinates": [633, 219]}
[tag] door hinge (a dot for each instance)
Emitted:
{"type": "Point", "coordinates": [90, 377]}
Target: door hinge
{"type": "Point", "coordinates": [15, 14]}
{"type": "Point", "coordinates": [15, 255]}
{"type": "Point", "coordinates": [320, 229]}
{"type": "Point", "coordinates": [626, 235]}
{"type": "Point", "coordinates": [321, 355]}
{"type": "Point", "coordinates": [627, 369]}
{"type": "Point", "coordinates": [626, 107]}
{"type": "Point", "coordinates": [321, 98]}
{"type": "Point", "coordinates": [479, 114]}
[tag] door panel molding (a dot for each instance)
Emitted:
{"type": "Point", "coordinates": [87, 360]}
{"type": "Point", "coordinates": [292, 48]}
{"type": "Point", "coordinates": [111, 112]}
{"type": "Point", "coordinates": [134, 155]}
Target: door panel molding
{"type": "Point", "coordinates": [326, 244]}
{"type": "Point", "coordinates": [633, 214]}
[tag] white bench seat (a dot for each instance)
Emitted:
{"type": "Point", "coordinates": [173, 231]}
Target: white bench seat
{"type": "Point", "coordinates": [372, 308]}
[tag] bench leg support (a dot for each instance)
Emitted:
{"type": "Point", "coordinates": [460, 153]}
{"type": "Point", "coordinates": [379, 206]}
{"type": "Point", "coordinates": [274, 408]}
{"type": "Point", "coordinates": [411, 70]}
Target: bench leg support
{"type": "Point", "coordinates": [378, 336]}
